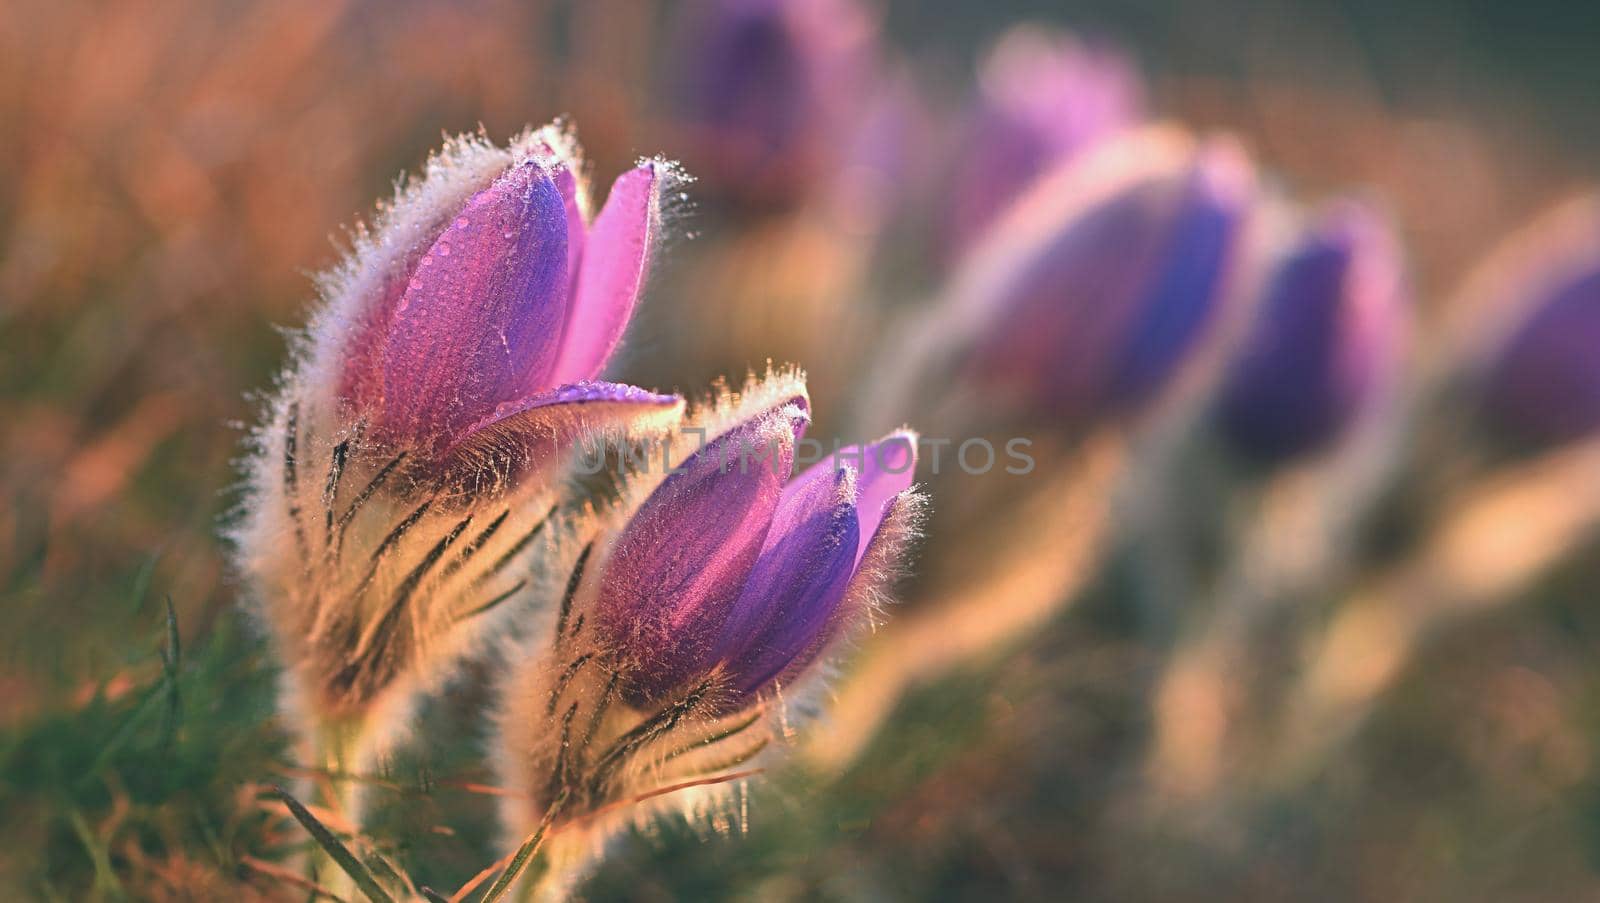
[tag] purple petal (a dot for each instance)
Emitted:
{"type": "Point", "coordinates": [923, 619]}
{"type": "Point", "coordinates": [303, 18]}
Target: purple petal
{"type": "Point", "coordinates": [1106, 285]}
{"type": "Point", "coordinates": [529, 434]}
{"type": "Point", "coordinates": [769, 86]}
{"type": "Point", "coordinates": [883, 470]}
{"type": "Point", "coordinates": [1044, 99]}
{"type": "Point", "coordinates": [611, 274]}
{"type": "Point", "coordinates": [577, 231]}
{"type": "Point", "coordinates": [889, 465]}
{"type": "Point", "coordinates": [1186, 293]}
{"type": "Point", "coordinates": [1544, 386]}
{"type": "Point", "coordinates": [797, 582]}
{"type": "Point", "coordinates": [361, 383]}
{"type": "Point", "coordinates": [481, 317]}
{"type": "Point", "coordinates": [1326, 335]}
{"type": "Point", "coordinates": [683, 558]}
{"type": "Point", "coordinates": [862, 591]}
{"type": "Point", "coordinates": [1054, 321]}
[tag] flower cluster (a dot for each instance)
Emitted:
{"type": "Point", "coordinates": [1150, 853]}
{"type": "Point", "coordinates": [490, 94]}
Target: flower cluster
{"type": "Point", "coordinates": [413, 496]}
{"type": "Point", "coordinates": [409, 502]}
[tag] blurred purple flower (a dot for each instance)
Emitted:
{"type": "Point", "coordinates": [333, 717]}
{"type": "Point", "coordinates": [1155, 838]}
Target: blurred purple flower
{"type": "Point", "coordinates": [731, 565]}
{"type": "Point", "coordinates": [1100, 284]}
{"type": "Point", "coordinates": [483, 346]}
{"type": "Point", "coordinates": [1542, 384]}
{"type": "Point", "coordinates": [1325, 341]}
{"type": "Point", "coordinates": [1043, 99]}
{"type": "Point", "coordinates": [769, 85]}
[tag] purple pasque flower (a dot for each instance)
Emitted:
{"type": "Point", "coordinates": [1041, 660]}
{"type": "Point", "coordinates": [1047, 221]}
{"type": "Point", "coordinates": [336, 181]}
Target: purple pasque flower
{"type": "Point", "coordinates": [399, 491]}
{"type": "Point", "coordinates": [1043, 99]}
{"type": "Point", "coordinates": [768, 86]}
{"type": "Point", "coordinates": [731, 568]}
{"type": "Point", "coordinates": [1104, 279]}
{"type": "Point", "coordinates": [692, 614]}
{"type": "Point", "coordinates": [489, 334]}
{"type": "Point", "coordinates": [1541, 381]}
{"type": "Point", "coordinates": [1325, 342]}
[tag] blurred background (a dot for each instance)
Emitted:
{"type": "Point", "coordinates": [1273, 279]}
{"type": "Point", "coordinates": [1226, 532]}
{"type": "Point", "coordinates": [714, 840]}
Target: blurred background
{"type": "Point", "coordinates": [173, 171]}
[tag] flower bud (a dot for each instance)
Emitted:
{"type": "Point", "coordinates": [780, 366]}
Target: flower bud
{"type": "Point", "coordinates": [1043, 99]}
{"type": "Point", "coordinates": [730, 564]}
{"type": "Point", "coordinates": [508, 297]}
{"type": "Point", "coordinates": [398, 490]}
{"type": "Point", "coordinates": [769, 86]}
{"type": "Point", "coordinates": [1101, 282]}
{"type": "Point", "coordinates": [695, 611]}
{"type": "Point", "coordinates": [1541, 384]}
{"type": "Point", "coordinates": [1326, 340]}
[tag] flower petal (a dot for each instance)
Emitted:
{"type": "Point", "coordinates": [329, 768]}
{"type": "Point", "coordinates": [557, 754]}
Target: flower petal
{"type": "Point", "coordinates": [1186, 294]}
{"type": "Point", "coordinates": [868, 588]}
{"type": "Point", "coordinates": [572, 198]}
{"type": "Point", "coordinates": [1535, 306]}
{"type": "Point", "coordinates": [805, 564]}
{"type": "Point", "coordinates": [683, 558]}
{"type": "Point", "coordinates": [533, 433]}
{"type": "Point", "coordinates": [883, 470]}
{"type": "Point", "coordinates": [1043, 99]}
{"type": "Point", "coordinates": [888, 467]}
{"type": "Point", "coordinates": [611, 273]}
{"type": "Point", "coordinates": [481, 316]}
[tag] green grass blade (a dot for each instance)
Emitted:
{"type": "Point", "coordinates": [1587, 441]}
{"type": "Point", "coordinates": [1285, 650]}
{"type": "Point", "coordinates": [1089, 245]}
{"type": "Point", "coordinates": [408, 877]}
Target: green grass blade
{"type": "Point", "coordinates": [335, 848]}
{"type": "Point", "coordinates": [525, 853]}
{"type": "Point", "coordinates": [141, 581]}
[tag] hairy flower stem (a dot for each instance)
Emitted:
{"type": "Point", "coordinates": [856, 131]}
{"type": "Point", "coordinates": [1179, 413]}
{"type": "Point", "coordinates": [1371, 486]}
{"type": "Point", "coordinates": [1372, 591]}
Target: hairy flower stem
{"type": "Point", "coordinates": [336, 786]}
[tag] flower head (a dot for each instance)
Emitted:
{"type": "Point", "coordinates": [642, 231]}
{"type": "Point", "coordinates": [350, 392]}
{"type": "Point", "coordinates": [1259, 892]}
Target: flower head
{"type": "Point", "coordinates": [731, 565]}
{"type": "Point", "coordinates": [410, 454]}
{"type": "Point", "coordinates": [1541, 381]}
{"type": "Point", "coordinates": [1043, 99]}
{"type": "Point", "coordinates": [1326, 340]}
{"type": "Point", "coordinates": [1097, 287]}
{"type": "Point", "coordinates": [500, 305]}
{"type": "Point", "coordinates": [701, 605]}
{"type": "Point", "coordinates": [768, 86]}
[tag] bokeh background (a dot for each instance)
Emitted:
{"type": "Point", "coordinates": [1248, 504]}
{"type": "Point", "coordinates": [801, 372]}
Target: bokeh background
{"type": "Point", "coordinates": [173, 171]}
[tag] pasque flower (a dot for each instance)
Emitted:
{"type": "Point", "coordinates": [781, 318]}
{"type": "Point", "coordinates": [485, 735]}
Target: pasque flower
{"type": "Point", "coordinates": [768, 87]}
{"type": "Point", "coordinates": [1096, 288]}
{"type": "Point", "coordinates": [407, 465]}
{"type": "Point", "coordinates": [698, 610]}
{"type": "Point", "coordinates": [1541, 381]}
{"type": "Point", "coordinates": [1325, 341]}
{"type": "Point", "coordinates": [755, 590]}
{"type": "Point", "coordinates": [1043, 98]}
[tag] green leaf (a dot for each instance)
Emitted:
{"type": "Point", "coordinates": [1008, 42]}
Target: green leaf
{"type": "Point", "coordinates": [171, 665]}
